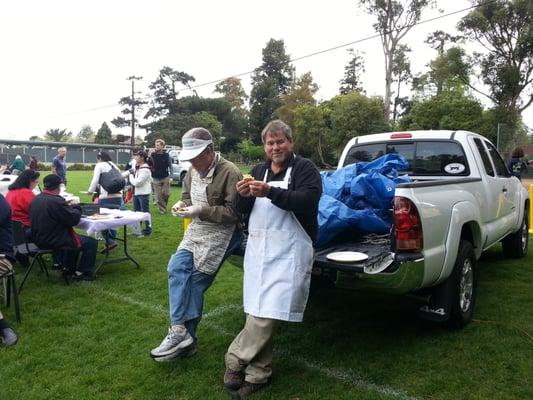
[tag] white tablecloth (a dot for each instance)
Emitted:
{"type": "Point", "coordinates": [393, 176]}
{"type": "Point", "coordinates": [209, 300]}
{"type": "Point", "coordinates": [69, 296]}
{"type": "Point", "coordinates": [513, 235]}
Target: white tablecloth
{"type": "Point", "coordinates": [114, 219]}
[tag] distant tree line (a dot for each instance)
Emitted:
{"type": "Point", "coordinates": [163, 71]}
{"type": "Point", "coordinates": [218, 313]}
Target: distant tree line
{"type": "Point", "coordinates": [441, 97]}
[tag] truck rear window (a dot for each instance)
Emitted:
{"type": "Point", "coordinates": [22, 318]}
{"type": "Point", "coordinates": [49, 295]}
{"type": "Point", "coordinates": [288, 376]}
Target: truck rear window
{"type": "Point", "coordinates": [425, 157]}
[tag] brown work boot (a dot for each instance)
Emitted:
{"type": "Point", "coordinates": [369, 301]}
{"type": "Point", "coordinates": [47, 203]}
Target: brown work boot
{"type": "Point", "coordinates": [233, 379]}
{"type": "Point", "coordinates": [247, 389]}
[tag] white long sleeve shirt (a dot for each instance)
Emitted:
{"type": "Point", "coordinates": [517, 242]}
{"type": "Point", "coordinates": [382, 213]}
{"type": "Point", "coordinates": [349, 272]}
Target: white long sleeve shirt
{"type": "Point", "coordinates": [141, 180]}
{"type": "Point", "coordinates": [100, 167]}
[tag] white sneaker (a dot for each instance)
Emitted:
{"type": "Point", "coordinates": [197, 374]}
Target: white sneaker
{"type": "Point", "coordinates": [8, 337]}
{"type": "Point", "coordinates": [176, 339]}
{"type": "Point", "coordinates": [184, 352]}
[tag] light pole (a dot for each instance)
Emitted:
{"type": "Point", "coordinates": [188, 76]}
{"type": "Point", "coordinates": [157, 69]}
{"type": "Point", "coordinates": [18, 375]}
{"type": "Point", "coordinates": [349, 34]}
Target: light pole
{"type": "Point", "coordinates": [133, 78]}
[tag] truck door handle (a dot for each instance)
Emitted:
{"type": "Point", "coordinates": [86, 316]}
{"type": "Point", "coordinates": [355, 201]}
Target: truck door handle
{"type": "Point", "coordinates": [504, 190]}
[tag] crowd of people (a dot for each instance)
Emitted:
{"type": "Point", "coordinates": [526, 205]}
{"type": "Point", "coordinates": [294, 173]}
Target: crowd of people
{"type": "Point", "coordinates": [277, 204]}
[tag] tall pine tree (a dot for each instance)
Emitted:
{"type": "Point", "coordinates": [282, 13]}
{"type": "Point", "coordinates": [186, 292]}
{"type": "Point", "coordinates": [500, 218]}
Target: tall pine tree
{"type": "Point", "coordinates": [269, 82]}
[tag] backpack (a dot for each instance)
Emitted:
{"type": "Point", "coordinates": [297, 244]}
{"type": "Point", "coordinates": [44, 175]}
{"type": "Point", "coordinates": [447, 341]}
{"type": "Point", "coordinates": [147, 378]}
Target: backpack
{"type": "Point", "coordinates": [516, 167]}
{"type": "Point", "coordinates": [112, 181]}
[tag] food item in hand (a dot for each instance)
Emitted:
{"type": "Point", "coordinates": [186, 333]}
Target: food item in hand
{"type": "Point", "coordinates": [247, 177]}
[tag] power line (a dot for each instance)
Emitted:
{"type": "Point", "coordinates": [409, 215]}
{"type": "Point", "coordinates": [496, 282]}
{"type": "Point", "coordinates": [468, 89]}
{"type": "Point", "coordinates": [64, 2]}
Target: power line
{"type": "Point", "coordinates": [192, 87]}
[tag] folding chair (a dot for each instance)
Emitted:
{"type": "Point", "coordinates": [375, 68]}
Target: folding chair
{"type": "Point", "coordinates": [10, 286]}
{"type": "Point", "coordinates": [29, 249]}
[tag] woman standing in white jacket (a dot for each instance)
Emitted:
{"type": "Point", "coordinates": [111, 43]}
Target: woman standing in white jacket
{"type": "Point", "coordinates": [141, 180]}
{"type": "Point", "coordinates": [105, 199]}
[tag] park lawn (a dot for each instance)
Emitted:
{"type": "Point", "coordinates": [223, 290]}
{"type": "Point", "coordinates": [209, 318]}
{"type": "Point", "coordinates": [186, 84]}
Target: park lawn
{"type": "Point", "coordinates": [91, 340]}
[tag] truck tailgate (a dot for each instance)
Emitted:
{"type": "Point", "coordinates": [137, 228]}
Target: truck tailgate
{"type": "Point", "coordinates": [379, 257]}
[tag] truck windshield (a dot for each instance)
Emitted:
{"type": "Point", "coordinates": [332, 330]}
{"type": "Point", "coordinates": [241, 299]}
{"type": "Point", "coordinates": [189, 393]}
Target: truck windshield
{"type": "Point", "coordinates": [425, 157]}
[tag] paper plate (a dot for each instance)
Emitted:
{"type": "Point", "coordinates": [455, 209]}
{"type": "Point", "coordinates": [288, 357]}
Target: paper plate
{"type": "Point", "coordinates": [347, 256]}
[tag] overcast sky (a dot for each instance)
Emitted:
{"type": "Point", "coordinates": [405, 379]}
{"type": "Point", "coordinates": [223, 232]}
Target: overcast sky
{"type": "Point", "coordinates": [65, 62]}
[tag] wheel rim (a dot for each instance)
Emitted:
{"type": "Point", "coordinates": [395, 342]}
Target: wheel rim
{"type": "Point", "coordinates": [525, 235]}
{"type": "Point", "coordinates": [466, 286]}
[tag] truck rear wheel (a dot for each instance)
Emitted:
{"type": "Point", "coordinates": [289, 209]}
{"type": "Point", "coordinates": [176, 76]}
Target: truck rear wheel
{"type": "Point", "coordinates": [515, 245]}
{"type": "Point", "coordinates": [463, 287]}
{"type": "Point", "coordinates": [182, 178]}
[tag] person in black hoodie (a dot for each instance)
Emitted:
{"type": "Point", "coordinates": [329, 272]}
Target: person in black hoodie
{"type": "Point", "coordinates": [8, 337]}
{"type": "Point", "coordinates": [52, 220]}
{"type": "Point", "coordinates": [516, 165]}
{"type": "Point", "coordinates": [161, 170]}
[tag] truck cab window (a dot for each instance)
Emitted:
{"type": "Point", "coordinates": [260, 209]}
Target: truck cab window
{"type": "Point", "coordinates": [501, 169]}
{"type": "Point", "coordinates": [364, 153]}
{"type": "Point", "coordinates": [440, 158]}
{"type": "Point", "coordinates": [487, 165]}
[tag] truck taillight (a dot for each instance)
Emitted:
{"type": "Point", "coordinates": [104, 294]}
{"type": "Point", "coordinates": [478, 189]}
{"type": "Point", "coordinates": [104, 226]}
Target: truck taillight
{"type": "Point", "coordinates": [407, 226]}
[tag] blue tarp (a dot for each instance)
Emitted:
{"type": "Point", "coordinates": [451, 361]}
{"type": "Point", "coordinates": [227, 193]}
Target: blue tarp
{"type": "Point", "coordinates": [359, 197]}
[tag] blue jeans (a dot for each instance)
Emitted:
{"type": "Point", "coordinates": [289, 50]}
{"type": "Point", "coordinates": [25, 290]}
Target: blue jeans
{"type": "Point", "coordinates": [186, 286]}
{"type": "Point", "coordinates": [87, 253]}
{"type": "Point", "coordinates": [113, 202]}
{"type": "Point", "coordinates": [142, 203]}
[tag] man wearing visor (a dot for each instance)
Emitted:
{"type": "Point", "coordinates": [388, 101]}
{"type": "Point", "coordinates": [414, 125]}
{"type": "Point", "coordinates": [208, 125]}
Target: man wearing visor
{"type": "Point", "coordinates": [207, 198]}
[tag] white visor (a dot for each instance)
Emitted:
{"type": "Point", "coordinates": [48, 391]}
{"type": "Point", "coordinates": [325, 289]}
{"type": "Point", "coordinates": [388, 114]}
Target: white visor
{"type": "Point", "coordinates": [192, 148]}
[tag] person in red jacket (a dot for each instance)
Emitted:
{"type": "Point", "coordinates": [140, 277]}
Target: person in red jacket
{"type": "Point", "coordinates": [21, 194]}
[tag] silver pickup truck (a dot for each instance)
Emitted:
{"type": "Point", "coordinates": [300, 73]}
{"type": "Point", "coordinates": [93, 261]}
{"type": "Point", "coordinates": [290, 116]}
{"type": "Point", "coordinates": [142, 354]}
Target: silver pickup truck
{"type": "Point", "coordinates": [179, 168]}
{"type": "Point", "coordinates": [461, 201]}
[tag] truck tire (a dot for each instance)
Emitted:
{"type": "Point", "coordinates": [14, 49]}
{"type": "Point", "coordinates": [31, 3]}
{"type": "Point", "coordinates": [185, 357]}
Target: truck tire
{"type": "Point", "coordinates": [182, 178]}
{"type": "Point", "coordinates": [463, 287]}
{"type": "Point", "coordinates": [515, 245]}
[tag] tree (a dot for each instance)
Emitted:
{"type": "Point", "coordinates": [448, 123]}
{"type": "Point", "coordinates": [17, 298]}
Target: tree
{"type": "Point", "coordinates": [505, 29]}
{"type": "Point", "coordinates": [130, 104]}
{"type": "Point", "coordinates": [312, 136]}
{"type": "Point", "coordinates": [449, 71]}
{"type": "Point", "coordinates": [34, 138]}
{"type": "Point", "coordinates": [172, 128]}
{"type": "Point", "coordinates": [505, 129]}
{"type": "Point", "coordinates": [250, 151]}
{"type": "Point", "coordinates": [352, 81]}
{"type": "Point", "coordinates": [269, 81]}
{"type": "Point", "coordinates": [301, 91]}
{"type": "Point", "coordinates": [322, 131]}
{"type": "Point", "coordinates": [165, 91]}
{"type": "Point", "coordinates": [103, 136]}
{"type": "Point", "coordinates": [394, 20]}
{"type": "Point", "coordinates": [57, 135]}
{"type": "Point", "coordinates": [231, 89]}
{"type": "Point", "coordinates": [401, 73]}
{"type": "Point", "coordinates": [448, 110]}
{"type": "Point", "coordinates": [355, 114]}
{"type": "Point", "coordinates": [86, 134]}
{"type": "Point", "coordinates": [233, 123]}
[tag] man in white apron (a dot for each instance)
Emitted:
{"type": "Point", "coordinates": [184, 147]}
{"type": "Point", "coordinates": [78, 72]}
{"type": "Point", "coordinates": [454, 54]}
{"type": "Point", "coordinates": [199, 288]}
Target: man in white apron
{"type": "Point", "coordinates": [207, 197]}
{"type": "Point", "coordinates": [282, 203]}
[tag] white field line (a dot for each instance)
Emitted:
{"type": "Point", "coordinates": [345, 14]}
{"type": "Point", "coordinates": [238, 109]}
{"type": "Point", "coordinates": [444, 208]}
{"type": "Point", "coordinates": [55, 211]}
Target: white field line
{"type": "Point", "coordinates": [344, 375]}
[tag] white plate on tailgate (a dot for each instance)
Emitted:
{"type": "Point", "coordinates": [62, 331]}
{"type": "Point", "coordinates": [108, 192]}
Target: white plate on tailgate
{"type": "Point", "coordinates": [347, 256]}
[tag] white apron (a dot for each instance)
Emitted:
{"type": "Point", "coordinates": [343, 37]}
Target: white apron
{"type": "Point", "coordinates": [277, 261]}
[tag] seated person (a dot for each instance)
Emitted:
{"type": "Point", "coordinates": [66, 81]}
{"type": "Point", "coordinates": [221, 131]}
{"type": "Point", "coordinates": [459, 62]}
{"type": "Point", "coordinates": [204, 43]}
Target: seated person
{"type": "Point", "coordinates": [7, 334]}
{"type": "Point", "coordinates": [52, 220]}
{"type": "Point", "coordinates": [21, 194]}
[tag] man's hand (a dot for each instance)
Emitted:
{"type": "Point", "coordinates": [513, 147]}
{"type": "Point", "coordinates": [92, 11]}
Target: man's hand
{"type": "Point", "coordinates": [180, 205]}
{"type": "Point", "coordinates": [190, 212]}
{"type": "Point", "coordinates": [259, 188]}
{"type": "Point", "coordinates": [243, 187]}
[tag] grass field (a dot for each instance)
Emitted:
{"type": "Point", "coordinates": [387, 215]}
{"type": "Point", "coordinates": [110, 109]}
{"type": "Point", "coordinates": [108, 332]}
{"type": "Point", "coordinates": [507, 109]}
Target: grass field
{"type": "Point", "coordinates": [91, 340]}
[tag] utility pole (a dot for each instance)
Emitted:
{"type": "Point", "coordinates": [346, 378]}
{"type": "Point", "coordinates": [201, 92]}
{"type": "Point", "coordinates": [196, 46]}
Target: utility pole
{"type": "Point", "coordinates": [133, 78]}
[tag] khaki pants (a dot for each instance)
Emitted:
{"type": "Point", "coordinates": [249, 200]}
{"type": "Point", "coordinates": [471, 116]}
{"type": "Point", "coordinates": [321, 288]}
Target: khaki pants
{"type": "Point", "coordinates": [251, 350]}
{"type": "Point", "coordinates": [162, 193]}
